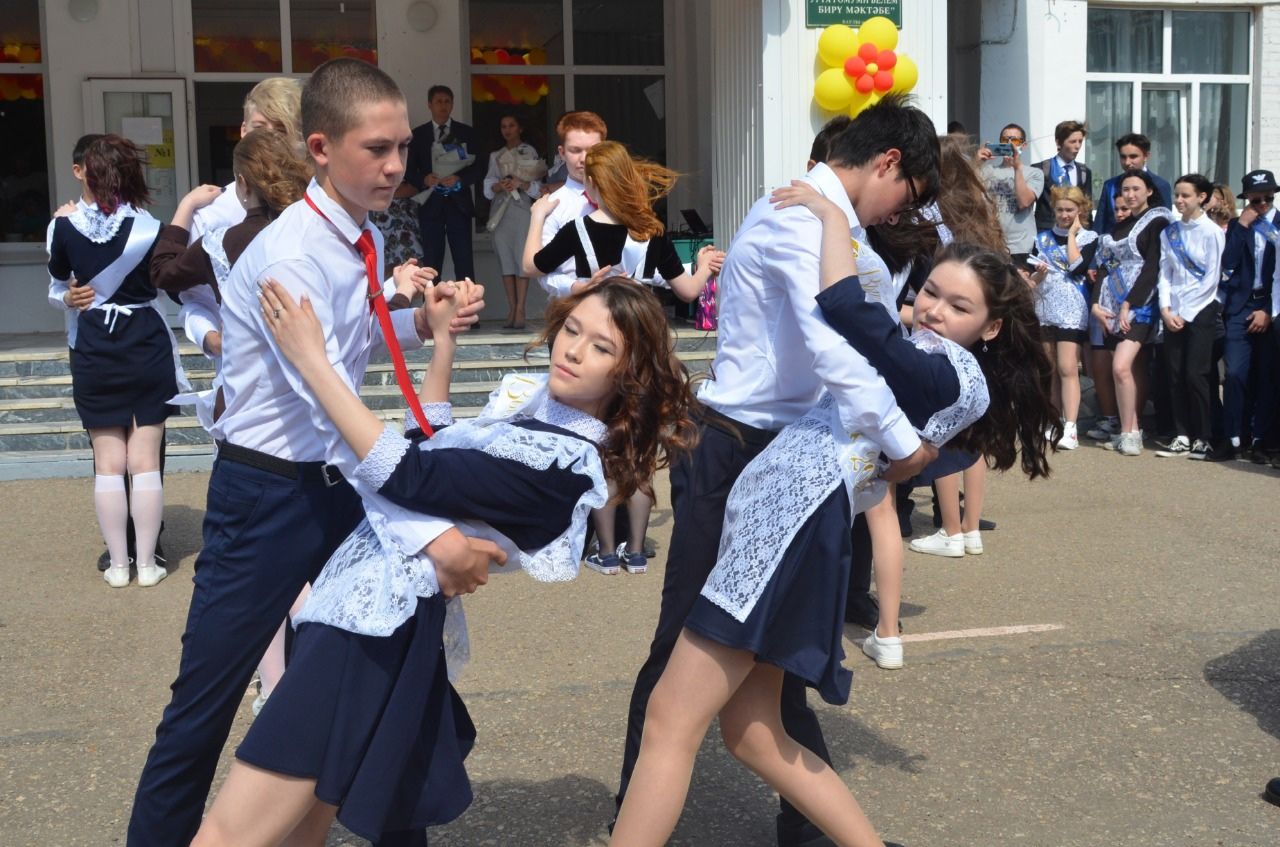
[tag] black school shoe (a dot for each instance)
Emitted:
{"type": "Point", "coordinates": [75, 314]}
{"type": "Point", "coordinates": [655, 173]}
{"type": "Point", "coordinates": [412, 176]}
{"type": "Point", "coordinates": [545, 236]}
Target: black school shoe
{"type": "Point", "coordinates": [1272, 791]}
{"type": "Point", "coordinates": [1222, 453]}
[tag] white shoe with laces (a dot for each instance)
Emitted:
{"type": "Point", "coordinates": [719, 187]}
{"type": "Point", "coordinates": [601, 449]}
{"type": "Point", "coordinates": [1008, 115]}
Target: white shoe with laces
{"type": "Point", "coordinates": [940, 544]}
{"type": "Point", "coordinates": [887, 652]}
{"type": "Point", "coordinates": [1130, 444]}
{"type": "Point", "coordinates": [1070, 439]}
{"type": "Point", "coordinates": [1178, 448]}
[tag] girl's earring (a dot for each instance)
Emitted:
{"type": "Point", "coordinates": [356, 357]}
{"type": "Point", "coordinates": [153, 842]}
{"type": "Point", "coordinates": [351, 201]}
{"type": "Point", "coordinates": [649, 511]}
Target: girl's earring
{"type": "Point", "coordinates": [984, 347]}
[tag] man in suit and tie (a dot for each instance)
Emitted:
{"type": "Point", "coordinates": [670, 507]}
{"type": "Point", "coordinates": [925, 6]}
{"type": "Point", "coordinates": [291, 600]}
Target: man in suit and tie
{"type": "Point", "coordinates": [1248, 268]}
{"type": "Point", "coordinates": [1063, 169]}
{"type": "Point", "coordinates": [1134, 149]}
{"type": "Point", "coordinates": [450, 207]}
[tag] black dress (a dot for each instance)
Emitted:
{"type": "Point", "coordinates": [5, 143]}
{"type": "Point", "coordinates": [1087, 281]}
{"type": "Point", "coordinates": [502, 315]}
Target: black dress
{"type": "Point", "coordinates": [123, 367]}
{"type": "Point", "coordinates": [375, 720]}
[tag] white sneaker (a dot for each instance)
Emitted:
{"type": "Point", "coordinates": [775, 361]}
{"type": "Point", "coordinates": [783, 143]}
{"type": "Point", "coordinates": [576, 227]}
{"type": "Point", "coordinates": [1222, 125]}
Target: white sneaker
{"type": "Point", "coordinates": [117, 576]}
{"type": "Point", "coordinates": [149, 575]}
{"type": "Point", "coordinates": [1105, 429]}
{"type": "Point", "coordinates": [887, 652]}
{"type": "Point", "coordinates": [258, 703]}
{"type": "Point", "coordinates": [940, 544]}
{"type": "Point", "coordinates": [1130, 444]}
{"type": "Point", "coordinates": [1178, 448]}
{"type": "Point", "coordinates": [1070, 439]}
{"type": "Point", "coordinates": [973, 543]}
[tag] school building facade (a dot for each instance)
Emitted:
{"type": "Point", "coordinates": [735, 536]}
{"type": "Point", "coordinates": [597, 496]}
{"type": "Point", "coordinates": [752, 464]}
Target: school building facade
{"type": "Point", "coordinates": [721, 90]}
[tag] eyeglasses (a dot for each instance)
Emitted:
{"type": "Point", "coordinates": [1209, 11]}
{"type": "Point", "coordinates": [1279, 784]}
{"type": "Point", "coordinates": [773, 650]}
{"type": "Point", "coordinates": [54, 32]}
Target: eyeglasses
{"type": "Point", "coordinates": [1261, 200]}
{"type": "Point", "coordinates": [911, 187]}
{"type": "Point", "coordinates": [1012, 139]}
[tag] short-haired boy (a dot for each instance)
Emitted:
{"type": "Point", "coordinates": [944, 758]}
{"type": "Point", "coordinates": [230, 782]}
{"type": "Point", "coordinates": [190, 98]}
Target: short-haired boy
{"type": "Point", "coordinates": [578, 132]}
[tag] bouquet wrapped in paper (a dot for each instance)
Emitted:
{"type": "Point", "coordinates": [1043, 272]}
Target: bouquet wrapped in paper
{"type": "Point", "coordinates": [448, 158]}
{"type": "Point", "coordinates": [520, 162]}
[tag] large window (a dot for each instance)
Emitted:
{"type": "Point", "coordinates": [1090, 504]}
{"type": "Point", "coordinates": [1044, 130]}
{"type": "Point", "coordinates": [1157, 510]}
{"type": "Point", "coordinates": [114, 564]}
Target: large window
{"type": "Point", "coordinates": [24, 168]}
{"type": "Point", "coordinates": [536, 59]}
{"type": "Point", "coordinates": [247, 36]}
{"type": "Point", "coordinates": [1179, 77]}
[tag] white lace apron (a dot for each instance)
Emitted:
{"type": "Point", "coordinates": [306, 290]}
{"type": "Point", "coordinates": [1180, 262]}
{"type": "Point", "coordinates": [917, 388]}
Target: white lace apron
{"type": "Point", "coordinates": [1124, 260]}
{"type": "Point", "coordinates": [782, 487]}
{"type": "Point", "coordinates": [1058, 300]}
{"type": "Point", "coordinates": [369, 586]}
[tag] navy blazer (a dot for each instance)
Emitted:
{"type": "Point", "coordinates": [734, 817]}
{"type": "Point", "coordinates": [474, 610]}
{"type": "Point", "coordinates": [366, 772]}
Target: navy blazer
{"type": "Point", "coordinates": [418, 166]}
{"type": "Point", "coordinates": [1239, 273]}
{"type": "Point", "coordinates": [1044, 206]}
{"type": "Point", "coordinates": [1105, 219]}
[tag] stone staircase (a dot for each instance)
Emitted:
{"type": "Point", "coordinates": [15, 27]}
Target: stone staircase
{"type": "Point", "coordinates": [41, 435]}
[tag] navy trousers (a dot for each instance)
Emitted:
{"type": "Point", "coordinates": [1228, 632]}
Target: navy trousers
{"type": "Point", "coordinates": [700, 485]}
{"type": "Point", "coordinates": [265, 536]}
{"type": "Point", "coordinates": [1248, 395]}
{"type": "Point", "coordinates": [442, 218]}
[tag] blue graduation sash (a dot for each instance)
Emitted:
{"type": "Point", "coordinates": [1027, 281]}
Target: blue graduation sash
{"type": "Point", "coordinates": [1142, 315]}
{"type": "Point", "coordinates": [1172, 236]}
{"type": "Point", "coordinates": [1057, 173]}
{"type": "Point", "coordinates": [1051, 250]}
{"type": "Point", "coordinates": [1267, 230]}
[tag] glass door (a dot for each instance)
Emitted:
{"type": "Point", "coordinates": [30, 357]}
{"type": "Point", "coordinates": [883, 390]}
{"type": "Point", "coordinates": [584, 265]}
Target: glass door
{"type": "Point", "coordinates": [1163, 110]}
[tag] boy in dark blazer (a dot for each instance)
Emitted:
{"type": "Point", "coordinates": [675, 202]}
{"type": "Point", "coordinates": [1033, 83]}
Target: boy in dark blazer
{"type": "Point", "coordinates": [1063, 169]}
{"type": "Point", "coordinates": [450, 206]}
{"type": "Point", "coordinates": [1134, 149]}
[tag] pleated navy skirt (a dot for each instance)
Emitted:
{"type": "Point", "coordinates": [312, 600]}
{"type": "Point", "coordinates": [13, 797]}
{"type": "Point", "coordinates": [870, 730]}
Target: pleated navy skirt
{"type": "Point", "coordinates": [798, 622]}
{"type": "Point", "coordinates": [375, 721]}
{"type": "Point", "coordinates": [124, 372]}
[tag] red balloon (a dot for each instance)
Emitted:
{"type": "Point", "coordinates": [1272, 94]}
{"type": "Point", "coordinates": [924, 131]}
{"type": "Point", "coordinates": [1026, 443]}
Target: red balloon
{"type": "Point", "coordinates": [854, 67]}
{"type": "Point", "coordinates": [502, 56]}
{"type": "Point", "coordinates": [884, 81]}
{"type": "Point", "coordinates": [886, 60]}
{"type": "Point", "coordinates": [868, 52]}
{"type": "Point", "coordinates": [864, 84]}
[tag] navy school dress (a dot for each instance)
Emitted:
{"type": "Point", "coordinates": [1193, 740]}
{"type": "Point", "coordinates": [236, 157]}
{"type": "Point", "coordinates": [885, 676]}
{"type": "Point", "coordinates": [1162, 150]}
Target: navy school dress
{"type": "Point", "coordinates": [797, 623]}
{"type": "Point", "coordinates": [375, 720]}
{"type": "Point", "coordinates": [123, 368]}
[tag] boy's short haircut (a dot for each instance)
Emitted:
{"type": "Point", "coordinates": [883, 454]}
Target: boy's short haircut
{"type": "Point", "coordinates": [581, 121]}
{"type": "Point", "coordinates": [891, 124]}
{"type": "Point", "coordinates": [332, 96]}
{"type": "Point", "coordinates": [1018, 127]}
{"type": "Point", "coordinates": [1066, 129]}
{"type": "Point", "coordinates": [822, 141]}
{"type": "Point", "coordinates": [77, 154]}
{"type": "Point", "coordinates": [1134, 139]}
{"type": "Point", "coordinates": [438, 89]}
{"type": "Point", "coordinates": [279, 100]}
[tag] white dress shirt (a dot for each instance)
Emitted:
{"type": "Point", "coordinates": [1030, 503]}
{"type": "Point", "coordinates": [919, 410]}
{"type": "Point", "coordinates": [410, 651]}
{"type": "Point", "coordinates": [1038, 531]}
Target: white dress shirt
{"type": "Point", "coordinates": [1179, 289]}
{"type": "Point", "coordinates": [199, 314]}
{"type": "Point", "coordinates": [774, 353]}
{"type": "Point", "coordinates": [269, 406]}
{"type": "Point", "coordinates": [573, 205]}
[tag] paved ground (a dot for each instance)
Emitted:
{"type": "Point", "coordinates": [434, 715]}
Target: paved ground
{"type": "Point", "coordinates": [1151, 718]}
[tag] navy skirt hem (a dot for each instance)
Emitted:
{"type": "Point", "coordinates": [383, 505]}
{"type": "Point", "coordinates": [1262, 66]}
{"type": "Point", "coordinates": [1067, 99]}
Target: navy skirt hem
{"type": "Point", "coordinates": [798, 622]}
{"type": "Point", "coordinates": [374, 721]}
{"type": "Point", "coordinates": [123, 372]}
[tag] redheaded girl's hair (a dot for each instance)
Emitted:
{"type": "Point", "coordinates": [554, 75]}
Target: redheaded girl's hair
{"type": "Point", "coordinates": [629, 187]}
{"type": "Point", "coordinates": [650, 417]}
{"type": "Point", "coordinates": [113, 172]}
{"type": "Point", "coordinates": [271, 168]}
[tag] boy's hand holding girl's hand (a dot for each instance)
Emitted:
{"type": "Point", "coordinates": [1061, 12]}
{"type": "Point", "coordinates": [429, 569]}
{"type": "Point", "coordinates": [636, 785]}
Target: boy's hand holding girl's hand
{"type": "Point", "coordinates": [449, 308]}
{"type": "Point", "coordinates": [712, 257]}
{"type": "Point", "coordinates": [412, 280]}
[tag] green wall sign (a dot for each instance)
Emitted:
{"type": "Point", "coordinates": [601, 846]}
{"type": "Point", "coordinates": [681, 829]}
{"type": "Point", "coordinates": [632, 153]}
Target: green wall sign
{"type": "Point", "coordinates": [818, 13]}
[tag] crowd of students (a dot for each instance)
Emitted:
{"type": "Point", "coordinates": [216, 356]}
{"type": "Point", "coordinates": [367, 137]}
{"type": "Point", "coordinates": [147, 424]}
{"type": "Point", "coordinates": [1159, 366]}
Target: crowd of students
{"type": "Point", "coordinates": [925, 354]}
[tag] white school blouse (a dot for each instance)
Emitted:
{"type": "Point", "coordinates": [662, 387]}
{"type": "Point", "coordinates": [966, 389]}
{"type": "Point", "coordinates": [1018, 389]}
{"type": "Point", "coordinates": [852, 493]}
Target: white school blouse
{"type": "Point", "coordinates": [774, 353]}
{"type": "Point", "coordinates": [269, 406]}
{"type": "Point", "coordinates": [1179, 289]}
{"type": "Point", "coordinates": [200, 314]}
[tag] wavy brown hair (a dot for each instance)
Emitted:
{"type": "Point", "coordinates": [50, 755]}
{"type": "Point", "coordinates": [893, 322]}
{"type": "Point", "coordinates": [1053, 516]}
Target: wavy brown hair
{"type": "Point", "coordinates": [271, 169]}
{"type": "Point", "coordinates": [650, 417]}
{"type": "Point", "coordinates": [629, 187]}
{"type": "Point", "coordinates": [113, 172]}
{"type": "Point", "coordinates": [1021, 418]}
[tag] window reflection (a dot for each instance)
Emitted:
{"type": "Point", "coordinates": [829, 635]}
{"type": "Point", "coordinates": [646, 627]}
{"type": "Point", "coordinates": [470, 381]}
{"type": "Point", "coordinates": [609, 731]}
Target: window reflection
{"type": "Point", "coordinates": [24, 179]}
{"type": "Point", "coordinates": [236, 36]}
{"type": "Point", "coordinates": [324, 30]}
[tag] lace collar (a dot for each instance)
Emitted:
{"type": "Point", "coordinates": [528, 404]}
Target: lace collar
{"type": "Point", "coordinates": [90, 222]}
{"type": "Point", "coordinates": [553, 412]}
{"type": "Point", "coordinates": [1059, 231]}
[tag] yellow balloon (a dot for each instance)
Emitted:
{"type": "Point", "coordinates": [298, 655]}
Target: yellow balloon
{"type": "Point", "coordinates": [837, 43]}
{"type": "Point", "coordinates": [860, 101]}
{"type": "Point", "coordinates": [832, 90]}
{"type": "Point", "coordinates": [905, 75]}
{"type": "Point", "coordinates": [880, 31]}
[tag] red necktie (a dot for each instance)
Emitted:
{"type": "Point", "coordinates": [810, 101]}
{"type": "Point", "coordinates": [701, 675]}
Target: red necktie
{"type": "Point", "coordinates": [590, 202]}
{"type": "Point", "coordinates": [378, 304]}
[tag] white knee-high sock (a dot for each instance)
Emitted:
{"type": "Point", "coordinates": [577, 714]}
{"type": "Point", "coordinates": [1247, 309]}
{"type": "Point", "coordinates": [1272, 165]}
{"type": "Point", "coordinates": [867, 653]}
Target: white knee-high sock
{"type": "Point", "coordinates": [148, 511]}
{"type": "Point", "coordinates": [112, 506]}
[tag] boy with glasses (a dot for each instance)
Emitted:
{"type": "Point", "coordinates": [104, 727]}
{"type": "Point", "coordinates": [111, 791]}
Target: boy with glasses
{"type": "Point", "coordinates": [1014, 188]}
{"type": "Point", "coordinates": [1247, 292]}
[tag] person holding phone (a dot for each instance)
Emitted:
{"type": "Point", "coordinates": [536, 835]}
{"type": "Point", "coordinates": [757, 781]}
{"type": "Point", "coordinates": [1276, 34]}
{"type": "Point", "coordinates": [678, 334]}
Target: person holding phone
{"type": "Point", "coordinates": [1014, 188]}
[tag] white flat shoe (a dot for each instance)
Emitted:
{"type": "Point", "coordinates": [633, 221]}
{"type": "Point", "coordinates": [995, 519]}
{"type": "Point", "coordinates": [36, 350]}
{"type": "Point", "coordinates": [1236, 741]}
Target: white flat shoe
{"type": "Point", "coordinates": [117, 576]}
{"type": "Point", "coordinates": [149, 575]}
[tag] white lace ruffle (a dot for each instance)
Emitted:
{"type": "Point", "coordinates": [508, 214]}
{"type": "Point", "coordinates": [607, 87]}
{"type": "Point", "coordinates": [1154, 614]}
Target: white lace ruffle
{"type": "Point", "coordinates": [369, 586]}
{"type": "Point", "coordinates": [96, 226]}
{"type": "Point", "coordinates": [217, 254]}
{"type": "Point", "coordinates": [437, 414]}
{"type": "Point", "coordinates": [1060, 303]}
{"type": "Point", "coordinates": [1084, 238]}
{"type": "Point", "coordinates": [375, 468]}
{"type": "Point", "coordinates": [782, 487]}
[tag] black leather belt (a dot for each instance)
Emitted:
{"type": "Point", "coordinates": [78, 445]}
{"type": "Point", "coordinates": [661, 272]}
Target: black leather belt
{"type": "Point", "coordinates": [308, 472]}
{"type": "Point", "coordinates": [751, 435]}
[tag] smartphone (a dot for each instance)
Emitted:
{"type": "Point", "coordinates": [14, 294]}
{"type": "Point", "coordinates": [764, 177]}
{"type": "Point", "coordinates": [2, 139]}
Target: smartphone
{"type": "Point", "coordinates": [1036, 262]}
{"type": "Point", "coordinates": [1001, 149]}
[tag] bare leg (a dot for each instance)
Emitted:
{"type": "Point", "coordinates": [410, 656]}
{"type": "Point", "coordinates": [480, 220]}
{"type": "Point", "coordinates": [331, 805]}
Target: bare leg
{"type": "Point", "coordinates": [1103, 384]}
{"type": "Point", "coordinates": [313, 830]}
{"type": "Point", "coordinates": [949, 502]}
{"type": "Point", "coordinates": [639, 506]}
{"type": "Point", "coordinates": [509, 286]}
{"type": "Point", "coordinates": [1068, 359]}
{"type": "Point", "coordinates": [699, 679]}
{"type": "Point", "coordinates": [256, 807]}
{"type": "Point", "coordinates": [886, 550]}
{"type": "Point", "coordinates": [975, 489]}
{"type": "Point", "coordinates": [751, 724]}
{"type": "Point", "coordinates": [522, 294]}
{"type": "Point", "coordinates": [1123, 372]}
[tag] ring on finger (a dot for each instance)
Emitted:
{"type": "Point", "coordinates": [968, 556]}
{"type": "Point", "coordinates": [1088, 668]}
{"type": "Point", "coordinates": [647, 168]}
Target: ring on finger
{"type": "Point", "coordinates": [276, 313]}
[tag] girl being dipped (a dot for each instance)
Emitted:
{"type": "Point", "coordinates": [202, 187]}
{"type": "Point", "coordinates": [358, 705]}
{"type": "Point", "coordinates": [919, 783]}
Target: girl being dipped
{"type": "Point", "coordinates": [974, 372]}
{"type": "Point", "coordinates": [1126, 301]}
{"type": "Point", "coordinates": [1062, 299]}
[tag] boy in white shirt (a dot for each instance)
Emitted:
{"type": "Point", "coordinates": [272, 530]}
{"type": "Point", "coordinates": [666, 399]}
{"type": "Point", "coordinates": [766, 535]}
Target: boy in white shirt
{"type": "Point", "coordinates": [579, 132]}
